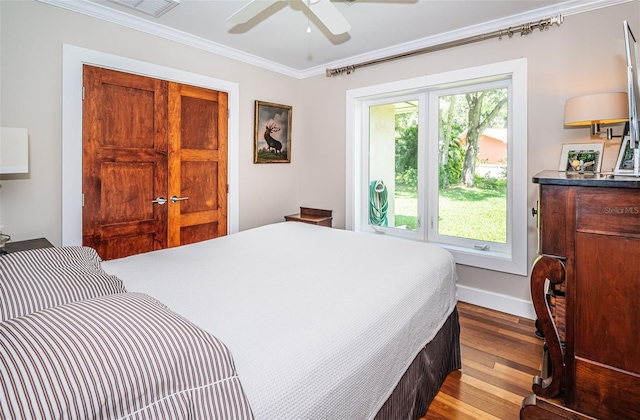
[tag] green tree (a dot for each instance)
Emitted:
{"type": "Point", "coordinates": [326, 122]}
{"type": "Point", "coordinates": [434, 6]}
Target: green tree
{"type": "Point", "coordinates": [407, 148]}
{"type": "Point", "coordinates": [446, 129]}
{"type": "Point", "coordinates": [451, 154]}
{"type": "Point", "coordinates": [484, 108]}
{"type": "Point", "coordinates": [451, 172]}
{"type": "Point", "coordinates": [473, 112]}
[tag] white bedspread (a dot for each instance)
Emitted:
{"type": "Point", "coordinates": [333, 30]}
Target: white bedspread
{"type": "Point", "coordinates": [321, 322]}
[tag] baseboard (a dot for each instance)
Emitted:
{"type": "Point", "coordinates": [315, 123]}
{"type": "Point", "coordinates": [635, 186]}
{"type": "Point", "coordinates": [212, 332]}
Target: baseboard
{"type": "Point", "coordinates": [496, 301]}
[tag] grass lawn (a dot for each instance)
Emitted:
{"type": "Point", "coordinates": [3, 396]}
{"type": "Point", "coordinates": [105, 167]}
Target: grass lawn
{"type": "Point", "coordinates": [406, 208]}
{"type": "Point", "coordinates": [472, 213]}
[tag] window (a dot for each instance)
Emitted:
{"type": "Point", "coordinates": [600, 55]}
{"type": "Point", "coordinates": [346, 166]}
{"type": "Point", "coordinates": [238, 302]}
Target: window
{"type": "Point", "coordinates": [393, 164]}
{"type": "Point", "coordinates": [442, 159]}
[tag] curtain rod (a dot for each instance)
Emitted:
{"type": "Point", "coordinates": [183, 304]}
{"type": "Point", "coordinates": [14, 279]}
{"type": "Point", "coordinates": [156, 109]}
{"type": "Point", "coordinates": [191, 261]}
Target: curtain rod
{"type": "Point", "coordinates": [524, 29]}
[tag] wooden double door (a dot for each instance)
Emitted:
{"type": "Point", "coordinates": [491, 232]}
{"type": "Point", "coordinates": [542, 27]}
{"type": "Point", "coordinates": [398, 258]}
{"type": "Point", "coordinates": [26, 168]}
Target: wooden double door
{"type": "Point", "coordinates": [154, 163]}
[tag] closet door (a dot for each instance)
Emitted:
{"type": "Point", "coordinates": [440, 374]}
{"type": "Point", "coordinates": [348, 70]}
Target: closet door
{"type": "Point", "coordinates": [197, 164]}
{"type": "Point", "coordinates": [124, 163]}
{"type": "Point", "coordinates": [154, 163]}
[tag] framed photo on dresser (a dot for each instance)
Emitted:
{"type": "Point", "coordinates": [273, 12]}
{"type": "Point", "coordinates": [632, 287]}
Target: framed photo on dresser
{"type": "Point", "coordinates": [624, 164]}
{"type": "Point", "coordinates": [581, 158]}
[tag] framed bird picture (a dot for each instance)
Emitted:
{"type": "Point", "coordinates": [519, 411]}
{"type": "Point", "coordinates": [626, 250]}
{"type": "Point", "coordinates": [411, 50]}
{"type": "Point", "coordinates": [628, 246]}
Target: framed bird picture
{"type": "Point", "coordinates": [272, 133]}
{"type": "Point", "coordinates": [581, 158]}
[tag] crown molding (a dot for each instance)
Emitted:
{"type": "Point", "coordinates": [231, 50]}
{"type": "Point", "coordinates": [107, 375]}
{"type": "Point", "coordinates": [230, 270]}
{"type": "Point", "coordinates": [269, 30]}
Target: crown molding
{"type": "Point", "coordinates": [133, 22]}
{"type": "Point", "coordinates": [98, 11]}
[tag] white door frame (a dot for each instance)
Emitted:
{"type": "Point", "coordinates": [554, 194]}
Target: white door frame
{"type": "Point", "coordinates": [73, 59]}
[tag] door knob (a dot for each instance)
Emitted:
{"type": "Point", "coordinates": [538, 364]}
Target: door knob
{"type": "Point", "coordinates": [175, 199]}
{"type": "Point", "coordinates": [159, 200]}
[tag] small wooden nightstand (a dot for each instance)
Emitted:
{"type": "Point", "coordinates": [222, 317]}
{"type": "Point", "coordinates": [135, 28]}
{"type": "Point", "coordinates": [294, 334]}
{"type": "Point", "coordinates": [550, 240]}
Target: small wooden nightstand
{"type": "Point", "coordinates": [312, 216]}
{"type": "Point", "coordinates": [10, 247]}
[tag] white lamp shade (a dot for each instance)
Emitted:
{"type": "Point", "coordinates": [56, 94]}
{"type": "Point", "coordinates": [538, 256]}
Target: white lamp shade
{"type": "Point", "coordinates": [14, 150]}
{"type": "Point", "coordinates": [601, 108]}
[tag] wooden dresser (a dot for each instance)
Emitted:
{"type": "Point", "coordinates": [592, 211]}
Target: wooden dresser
{"type": "Point", "coordinates": [585, 288]}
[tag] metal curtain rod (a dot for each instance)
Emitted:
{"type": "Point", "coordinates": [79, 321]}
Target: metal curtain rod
{"type": "Point", "coordinates": [524, 29]}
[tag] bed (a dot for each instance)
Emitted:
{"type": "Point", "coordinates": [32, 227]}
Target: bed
{"type": "Point", "coordinates": [313, 323]}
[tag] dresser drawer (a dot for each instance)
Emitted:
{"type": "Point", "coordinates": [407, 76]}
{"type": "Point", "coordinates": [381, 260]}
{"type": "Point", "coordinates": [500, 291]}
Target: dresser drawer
{"type": "Point", "coordinates": [607, 211]}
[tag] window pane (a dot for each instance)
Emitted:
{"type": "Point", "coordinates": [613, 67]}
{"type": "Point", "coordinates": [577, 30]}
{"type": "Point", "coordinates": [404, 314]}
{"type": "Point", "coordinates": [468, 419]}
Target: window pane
{"type": "Point", "coordinates": [393, 165]}
{"type": "Point", "coordinates": [472, 158]}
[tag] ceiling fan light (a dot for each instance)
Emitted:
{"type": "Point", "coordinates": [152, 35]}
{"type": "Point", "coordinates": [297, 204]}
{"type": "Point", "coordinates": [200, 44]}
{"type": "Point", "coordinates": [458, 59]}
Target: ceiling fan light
{"type": "Point", "coordinates": [155, 8]}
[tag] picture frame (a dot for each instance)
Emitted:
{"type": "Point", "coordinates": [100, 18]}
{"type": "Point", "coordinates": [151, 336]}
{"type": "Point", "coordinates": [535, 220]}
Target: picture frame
{"type": "Point", "coordinates": [581, 158]}
{"type": "Point", "coordinates": [272, 133]}
{"type": "Point", "coordinates": [624, 163]}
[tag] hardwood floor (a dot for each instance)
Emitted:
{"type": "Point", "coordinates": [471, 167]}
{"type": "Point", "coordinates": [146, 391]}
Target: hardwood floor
{"type": "Point", "coordinates": [500, 356]}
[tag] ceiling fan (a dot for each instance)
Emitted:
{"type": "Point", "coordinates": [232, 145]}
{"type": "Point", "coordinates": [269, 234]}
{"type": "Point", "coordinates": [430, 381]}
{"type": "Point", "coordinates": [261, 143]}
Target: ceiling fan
{"type": "Point", "coordinates": [323, 9]}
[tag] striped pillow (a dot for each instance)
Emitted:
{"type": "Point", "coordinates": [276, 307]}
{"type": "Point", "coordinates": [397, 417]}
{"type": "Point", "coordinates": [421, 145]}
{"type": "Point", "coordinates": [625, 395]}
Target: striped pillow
{"type": "Point", "coordinates": [123, 356]}
{"type": "Point", "coordinates": [42, 278]}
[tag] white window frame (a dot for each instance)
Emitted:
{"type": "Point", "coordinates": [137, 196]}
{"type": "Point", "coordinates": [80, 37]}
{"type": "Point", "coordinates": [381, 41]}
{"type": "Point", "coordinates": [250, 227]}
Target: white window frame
{"type": "Point", "coordinates": [459, 243]}
{"type": "Point", "coordinates": [363, 220]}
{"type": "Point", "coordinates": [512, 259]}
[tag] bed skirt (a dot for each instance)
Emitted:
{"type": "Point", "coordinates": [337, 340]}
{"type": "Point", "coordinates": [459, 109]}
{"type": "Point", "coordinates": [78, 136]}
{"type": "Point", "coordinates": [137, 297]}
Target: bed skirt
{"type": "Point", "coordinates": [421, 382]}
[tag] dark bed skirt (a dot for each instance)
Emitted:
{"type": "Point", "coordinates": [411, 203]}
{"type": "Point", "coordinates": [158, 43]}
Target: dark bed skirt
{"type": "Point", "coordinates": [421, 382]}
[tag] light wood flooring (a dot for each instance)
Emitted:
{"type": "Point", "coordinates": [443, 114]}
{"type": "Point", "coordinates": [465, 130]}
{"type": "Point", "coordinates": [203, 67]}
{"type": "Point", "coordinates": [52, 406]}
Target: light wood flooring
{"type": "Point", "coordinates": [500, 356]}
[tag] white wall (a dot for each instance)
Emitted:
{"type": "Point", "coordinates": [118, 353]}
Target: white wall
{"type": "Point", "coordinates": [584, 55]}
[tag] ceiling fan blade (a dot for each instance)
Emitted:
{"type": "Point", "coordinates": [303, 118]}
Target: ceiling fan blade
{"type": "Point", "coordinates": [250, 10]}
{"type": "Point", "coordinates": [329, 16]}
